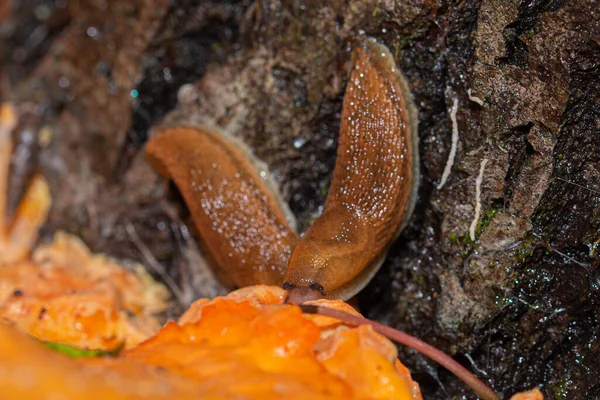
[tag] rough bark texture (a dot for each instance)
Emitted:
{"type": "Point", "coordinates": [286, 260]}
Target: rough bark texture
{"type": "Point", "coordinates": [520, 304]}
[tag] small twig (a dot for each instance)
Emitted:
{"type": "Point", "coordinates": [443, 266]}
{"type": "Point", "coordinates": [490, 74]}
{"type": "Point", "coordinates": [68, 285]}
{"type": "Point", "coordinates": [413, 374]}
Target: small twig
{"type": "Point", "coordinates": [484, 391]}
{"type": "Point", "coordinates": [453, 147]}
{"type": "Point", "coordinates": [539, 308]}
{"type": "Point", "coordinates": [512, 246]}
{"type": "Point", "coordinates": [583, 265]}
{"type": "Point", "coordinates": [547, 246]}
{"type": "Point", "coordinates": [482, 372]}
{"type": "Point", "coordinates": [474, 98]}
{"type": "Point", "coordinates": [578, 185]}
{"type": "Point", "coordinates": [152, 263]}
{"type": "Point", "coordinates": [477, 199]}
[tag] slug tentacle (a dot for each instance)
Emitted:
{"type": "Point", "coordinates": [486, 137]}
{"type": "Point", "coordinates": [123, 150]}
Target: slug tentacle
{"type": "Point", "coordinates": [237, 215]}
{"type": "Point", "coordinates": [374, 185]}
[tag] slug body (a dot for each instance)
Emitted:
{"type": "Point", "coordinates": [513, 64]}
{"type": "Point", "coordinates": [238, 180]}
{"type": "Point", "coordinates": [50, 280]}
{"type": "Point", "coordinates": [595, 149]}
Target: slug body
{"type": "Point", "coordinates": [374, 185]}
{"type": "Point", "coordinates": [238, 216]}
{"type": "Point", "coordinates": [370, 200]}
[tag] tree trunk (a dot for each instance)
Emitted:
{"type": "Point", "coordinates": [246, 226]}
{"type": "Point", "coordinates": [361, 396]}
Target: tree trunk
{"type": "Point", "coordinates": [519, 304]}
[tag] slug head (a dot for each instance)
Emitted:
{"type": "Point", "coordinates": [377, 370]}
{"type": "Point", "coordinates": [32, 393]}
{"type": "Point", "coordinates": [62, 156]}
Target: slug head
{"type": "Point", "coordinates": [330, 259]}
{"type": "Point", "coordinates": [302, 294]}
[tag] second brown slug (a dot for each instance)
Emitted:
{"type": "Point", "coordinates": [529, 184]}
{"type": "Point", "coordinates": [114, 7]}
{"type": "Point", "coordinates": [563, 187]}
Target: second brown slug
{"type": "Point", "coordinates": [238, 217]}
{"type": "Point", "coordinates": [370, 200]}
{"type": "Point", "coordinates": [373, 191]}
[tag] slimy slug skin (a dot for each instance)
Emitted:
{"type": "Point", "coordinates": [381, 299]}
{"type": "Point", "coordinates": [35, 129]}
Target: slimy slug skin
{"type": "Point", "coordinates": [374, 185]}
{"type": "Point", "coordinates": [370, 200]}
{"type": "Point", "coordinates": [237, 215]}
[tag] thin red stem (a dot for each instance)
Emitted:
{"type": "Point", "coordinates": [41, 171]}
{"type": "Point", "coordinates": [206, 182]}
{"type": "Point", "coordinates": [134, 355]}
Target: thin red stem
{"type": "Point", "coordinates": [484, 391]}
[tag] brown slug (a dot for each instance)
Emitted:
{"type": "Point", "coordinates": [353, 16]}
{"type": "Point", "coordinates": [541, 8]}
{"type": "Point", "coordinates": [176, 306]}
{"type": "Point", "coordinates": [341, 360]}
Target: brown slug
{"type": "Point", "coordinates": [234, 210]}
{"type": "Point", "coordinates": [373, 190]}
{"type": "Point", "coordinates": [370, 200]}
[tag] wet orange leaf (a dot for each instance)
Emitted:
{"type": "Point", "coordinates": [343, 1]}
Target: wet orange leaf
{"type": "Point", "coordinates": [238, 346]}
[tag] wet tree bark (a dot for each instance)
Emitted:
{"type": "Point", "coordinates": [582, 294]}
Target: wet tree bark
{"type": "Point", "coordinates": [519, 303]}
